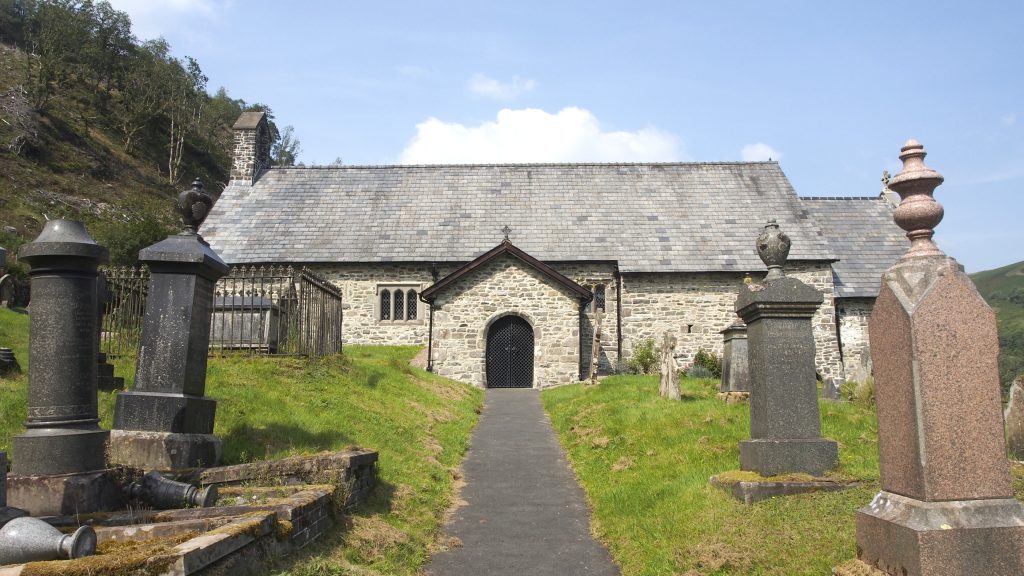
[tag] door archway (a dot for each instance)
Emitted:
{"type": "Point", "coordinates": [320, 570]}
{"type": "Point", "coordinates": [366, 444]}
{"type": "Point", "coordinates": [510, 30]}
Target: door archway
{"type": "Point", "coordinates": [510, 353]}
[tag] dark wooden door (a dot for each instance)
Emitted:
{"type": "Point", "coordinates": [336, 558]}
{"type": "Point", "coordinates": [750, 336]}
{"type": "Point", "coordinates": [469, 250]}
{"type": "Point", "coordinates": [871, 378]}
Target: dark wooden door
{"type": "Point", "coordinates": [510, 353]}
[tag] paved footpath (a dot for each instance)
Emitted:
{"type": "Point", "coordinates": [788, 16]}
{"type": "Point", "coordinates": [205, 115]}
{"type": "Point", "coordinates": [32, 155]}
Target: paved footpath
{"type": "Point", "coordinates": [525, 514]}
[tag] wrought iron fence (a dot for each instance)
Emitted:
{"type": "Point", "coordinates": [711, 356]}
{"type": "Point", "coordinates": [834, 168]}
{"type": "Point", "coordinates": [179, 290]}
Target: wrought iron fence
{"type": "Point", "coordinates": [257, 309]}
{"type": "Point", "coordinates": [123, 301]}
{"type": "Point", "coordinates": [276, 310]}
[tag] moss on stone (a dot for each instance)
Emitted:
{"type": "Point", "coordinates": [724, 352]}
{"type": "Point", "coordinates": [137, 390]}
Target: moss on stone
{"type": "Point", "coordinates": [733, 476]}
{"type": "Point", "coordinates": [147, 558]}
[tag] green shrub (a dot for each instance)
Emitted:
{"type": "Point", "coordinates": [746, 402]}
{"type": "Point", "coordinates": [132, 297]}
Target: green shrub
{"type": "Point", "coordinates": [644, 357]}
{"type": "Point", "coordinates": [708, 360]}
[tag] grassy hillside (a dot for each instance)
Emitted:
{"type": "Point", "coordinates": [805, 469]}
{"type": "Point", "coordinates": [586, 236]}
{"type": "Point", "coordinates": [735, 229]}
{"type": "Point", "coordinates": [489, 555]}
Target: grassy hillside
{"type": "Point", "coordinates": [368, 397]}
{"type": "Point", "coordinates": [1003, 289]}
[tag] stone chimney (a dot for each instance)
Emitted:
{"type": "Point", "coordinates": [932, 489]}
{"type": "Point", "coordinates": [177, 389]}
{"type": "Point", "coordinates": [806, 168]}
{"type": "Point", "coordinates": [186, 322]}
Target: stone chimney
{"type": "Point", "coordinates": [252, 146]}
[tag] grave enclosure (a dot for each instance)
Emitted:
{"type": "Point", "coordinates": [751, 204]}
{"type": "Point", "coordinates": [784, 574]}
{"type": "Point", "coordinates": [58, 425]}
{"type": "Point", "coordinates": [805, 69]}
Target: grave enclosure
{"type": "Point", "coordinates": [67, 470]}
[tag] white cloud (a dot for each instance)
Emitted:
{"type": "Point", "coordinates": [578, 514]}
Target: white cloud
{"type": "Point", "coordinates": [759, 152]}
{"type": "Point", "coordinates": [531, 135]}
{"type": "Point", "coordinates": [490, 88]}
{"type": "Point", "coordinates": [154, 18]}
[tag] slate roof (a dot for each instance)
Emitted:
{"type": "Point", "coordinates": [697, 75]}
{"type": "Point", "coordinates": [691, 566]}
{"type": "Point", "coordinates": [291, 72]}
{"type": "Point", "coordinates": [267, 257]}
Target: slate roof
{"type": "Point", "coordinates": [649, 217]}
{"type": "Point", "coordinates": [863, 235]}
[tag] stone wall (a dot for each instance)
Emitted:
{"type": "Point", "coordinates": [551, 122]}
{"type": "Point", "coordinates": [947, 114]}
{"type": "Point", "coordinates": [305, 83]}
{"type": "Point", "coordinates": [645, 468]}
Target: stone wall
{"type": "Point", "coordinates": [693, 306]}
{"type": "Point", "coordinates": [464, 312]}
{"type": "Point", "coordinates": [590, 275]}
{"type": "Point", "coordinates": [696, 307]}
{"type": "Point", "coordinates": [853, 333]}
{"type": "Point", "coordinates": [361, 284]}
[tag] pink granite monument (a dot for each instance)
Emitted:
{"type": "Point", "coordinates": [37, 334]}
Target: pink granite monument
{"type": "Point", "coordinates": [946, 505]}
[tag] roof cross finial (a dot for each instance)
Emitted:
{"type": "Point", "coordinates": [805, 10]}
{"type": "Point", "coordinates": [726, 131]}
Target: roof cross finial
{"type": "Point", "coordinates": [506, 231]}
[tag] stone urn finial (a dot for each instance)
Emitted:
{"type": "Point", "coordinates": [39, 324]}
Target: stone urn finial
{"type": "Point", "coordinates": [773, 248]}
{"type": "Point", "coordinates": [194, 204]}
{"type": "Point", "coordinates": [918, 212]}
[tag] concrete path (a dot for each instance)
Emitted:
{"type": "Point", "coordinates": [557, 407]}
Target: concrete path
{"type": "Point", "coordinates": [525, 515]}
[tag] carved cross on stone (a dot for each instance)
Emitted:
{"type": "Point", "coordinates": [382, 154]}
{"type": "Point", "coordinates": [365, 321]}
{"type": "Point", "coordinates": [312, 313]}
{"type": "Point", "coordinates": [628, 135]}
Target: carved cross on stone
{"type": "Point", "coordinates": [506, 231]}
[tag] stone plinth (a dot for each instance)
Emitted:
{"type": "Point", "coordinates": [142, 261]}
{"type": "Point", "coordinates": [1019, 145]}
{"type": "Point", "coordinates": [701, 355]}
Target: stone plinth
{"type": "Point", "coordinates": [946, 505]}
{"type": "Point", "coordinates": [63, 435]}
{"type": "Point", "coordinates": [735, 368]}
{"type": "Point", "coordinates": [70, 494]}
{"type": "Point", "coordinates": [170, 377]}
{"type": "Point", "coordinates": [785, 424]}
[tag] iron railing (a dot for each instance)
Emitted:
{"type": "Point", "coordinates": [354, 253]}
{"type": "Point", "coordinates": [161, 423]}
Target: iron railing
{"type": "Point", "coordinates": [257, 309]}
{"type": "Point", "coordinates": [123, 302]}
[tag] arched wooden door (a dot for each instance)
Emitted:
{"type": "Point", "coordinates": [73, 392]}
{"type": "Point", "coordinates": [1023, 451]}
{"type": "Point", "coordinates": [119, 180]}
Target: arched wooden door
{"type": "Point", "coordinates": [510, 353]}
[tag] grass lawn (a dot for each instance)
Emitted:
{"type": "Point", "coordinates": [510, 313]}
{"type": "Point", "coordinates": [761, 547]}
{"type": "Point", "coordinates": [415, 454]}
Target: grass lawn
{"type": "Point", "coordinates": [369, 397]}
{"type": "Point", "coordinates": [645, 462]}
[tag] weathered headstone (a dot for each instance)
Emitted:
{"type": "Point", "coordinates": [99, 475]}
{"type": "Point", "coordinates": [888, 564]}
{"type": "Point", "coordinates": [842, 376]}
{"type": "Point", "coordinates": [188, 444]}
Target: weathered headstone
{"type": "Point", "coordinates": [735, 370]}
{"type": "Point", "coordinates": [669, 370]}
{"type": "Point", "coordinates": [165, 422]}
{"type": "Point", "coordinates": [785, 421]}
{"type": "Point", "coordinates": [1014, 418]}
{"type": "Point", "coordinates": [63, 434]}
{"type": "Point", "coordinates": [946, 504]}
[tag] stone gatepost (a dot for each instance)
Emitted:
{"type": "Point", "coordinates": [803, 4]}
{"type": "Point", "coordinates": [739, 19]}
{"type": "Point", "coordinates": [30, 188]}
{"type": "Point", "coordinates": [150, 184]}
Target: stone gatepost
{"type": "Point", "coordinates": [735, 371]}
{"type": "Point", "coordinates": [785, 422]}
{"type": "Point", "coordinates": [63, 435]}
{"type": "Point", "coordinates": [946, 505]}
{"type": "Point", "coordinates": [165, 422]}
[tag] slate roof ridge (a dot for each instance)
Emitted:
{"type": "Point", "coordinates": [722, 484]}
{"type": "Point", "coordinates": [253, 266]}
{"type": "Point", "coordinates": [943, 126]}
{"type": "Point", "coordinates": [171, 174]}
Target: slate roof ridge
{"type": "Point", "coordinates": [522, 165]}
{"type": "Point", "coordinates": [841, 198]}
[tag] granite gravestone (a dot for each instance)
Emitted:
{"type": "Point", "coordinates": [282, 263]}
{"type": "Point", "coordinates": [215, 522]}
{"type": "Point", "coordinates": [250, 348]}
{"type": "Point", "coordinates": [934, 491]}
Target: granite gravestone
{"type": "Point", "coordinates": [946, 504]}
{"type": "Point", "coordinates": [735, 371]}
{"type": "Point", "coordinates": [63, 434]}
{"type": "Point", "coordinates": [165, 422]}
{"type": "Point", "coordinates": [785, 422]}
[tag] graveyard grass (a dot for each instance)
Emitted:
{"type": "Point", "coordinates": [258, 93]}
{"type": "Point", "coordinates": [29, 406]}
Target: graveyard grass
{"type": "Point", "coordinates": [275, 407]}
{"type": "Point", "coordinates": [645, 462]}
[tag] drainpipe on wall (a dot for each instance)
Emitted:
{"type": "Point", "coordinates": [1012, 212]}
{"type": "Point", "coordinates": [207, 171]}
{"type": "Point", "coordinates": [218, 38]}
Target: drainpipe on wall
{"type": "Point", "coordinates": [434, 273]}
{"type": "Point", "coordinates": [580, 353]}
{"type": "Point", "coordinates": [618, 314]}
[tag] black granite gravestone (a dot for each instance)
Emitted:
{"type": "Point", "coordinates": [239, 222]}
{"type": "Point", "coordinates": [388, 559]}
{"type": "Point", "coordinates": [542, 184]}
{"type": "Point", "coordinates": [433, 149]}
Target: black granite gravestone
{"type": "Point", "coordinates": [63, 434]}
{"type": "Point", "coordinates": [167, 407]}
{"type": "Point", "coordinates": [785, 425]}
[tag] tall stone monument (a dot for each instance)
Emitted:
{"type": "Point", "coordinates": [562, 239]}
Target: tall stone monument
{"type": "Point", "coordinates": [165, 422]}
{"type": "Point", "coordinates": [785, 422]}
{"type": "Point", "coordinates": [946, 505]}
{"type": "Point", "coordinates": [63, 435]}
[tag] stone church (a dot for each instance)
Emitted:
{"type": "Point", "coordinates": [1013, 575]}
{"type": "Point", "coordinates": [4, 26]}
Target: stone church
{"type": "Point", "coordinates": [503, 270]}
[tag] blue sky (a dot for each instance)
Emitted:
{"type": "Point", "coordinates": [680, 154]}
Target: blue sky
{"type": "Point", "coordinates": [831, 90]}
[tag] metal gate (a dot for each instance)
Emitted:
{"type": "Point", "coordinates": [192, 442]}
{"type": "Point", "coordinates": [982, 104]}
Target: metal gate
{"type": "Point", "coordinates": [510, 353]}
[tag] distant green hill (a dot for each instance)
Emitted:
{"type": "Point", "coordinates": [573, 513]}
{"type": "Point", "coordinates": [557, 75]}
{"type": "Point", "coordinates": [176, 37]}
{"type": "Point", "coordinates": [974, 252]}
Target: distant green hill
{"type": "Point", "coordinates": [1003, 289]}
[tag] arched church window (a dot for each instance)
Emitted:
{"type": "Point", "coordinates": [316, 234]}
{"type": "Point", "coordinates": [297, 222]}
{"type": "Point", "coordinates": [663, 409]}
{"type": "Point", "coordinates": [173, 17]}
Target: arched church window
{"type": "Point", "coordinates": [385, 305]}
{"type": "Point", "coordinates": [399, 305]}
{"type": "Point", "coordinates": [599, 297]}
{"type": "Point", "coordinates": [410, 307]}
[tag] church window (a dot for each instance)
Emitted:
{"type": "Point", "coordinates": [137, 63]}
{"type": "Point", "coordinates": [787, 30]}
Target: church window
{"type": "Point", "coordinates": [599, 297]}
{"type": "Point", "coordinates": [398, 302]}
{"type": "Point", "coordinates": [385, 305]}
{"type": "Point", "coordinates": [410, 307]}
{"type": "Point", "coordinates": [399, 305]}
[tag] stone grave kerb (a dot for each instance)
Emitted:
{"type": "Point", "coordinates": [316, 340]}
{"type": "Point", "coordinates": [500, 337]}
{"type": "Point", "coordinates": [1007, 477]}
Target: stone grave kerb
{"type": "Point", "coordinates": [946, 504]}
{"type": "Point", "coordinates": [785, 420]}
{"type": "Point", "coordinates": [170, 377]}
